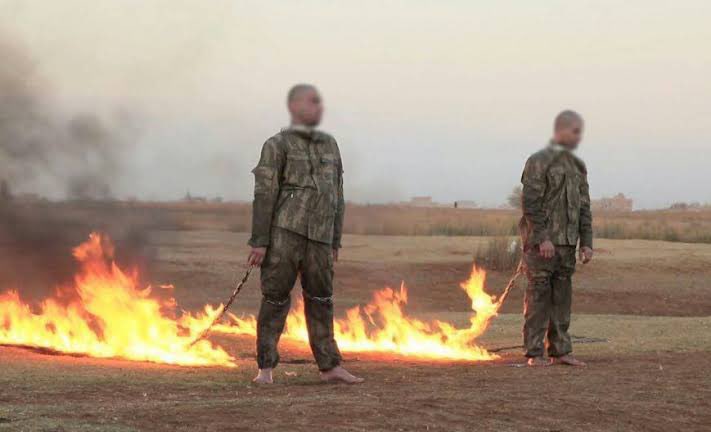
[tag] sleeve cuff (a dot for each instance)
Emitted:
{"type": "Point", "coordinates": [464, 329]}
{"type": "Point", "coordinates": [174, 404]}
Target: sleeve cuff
{"type": "Point", "coordinates": [539, 238]}
{"type": "Point", "coordinates": [258, 242]}
{"type": "Point", "coordinates": [586, 242]}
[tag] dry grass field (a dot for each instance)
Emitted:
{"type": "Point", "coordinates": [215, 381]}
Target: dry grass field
{"type": "Point", "coordinates": [689, 226]}
{"type": "Point", "coordinates": [646, 302]}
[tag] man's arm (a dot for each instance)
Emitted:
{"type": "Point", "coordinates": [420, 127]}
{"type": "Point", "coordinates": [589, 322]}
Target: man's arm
{"type": "Point", "coordinates": [340, 211]}
{"type": "Point", "coordinates": [534, 188]}
{"type": "Point", "coordinates": [586, 233]}
{"type": "Point", "coordinates": [266, 191]}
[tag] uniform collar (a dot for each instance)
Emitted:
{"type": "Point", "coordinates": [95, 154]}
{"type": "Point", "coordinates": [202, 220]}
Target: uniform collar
{"type": "Point", "coordinates": [300, 129]}
{"type": "Point", "coordinates": [557, 148]}
{"type": "Point", "coordinates": [310, 133]}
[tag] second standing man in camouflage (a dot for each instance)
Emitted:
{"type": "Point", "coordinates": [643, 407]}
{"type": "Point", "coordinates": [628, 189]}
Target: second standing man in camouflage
{"type": "Point", "coordinates": [297, 221]}
{"type": "Point", "coordinates": [556, 216]}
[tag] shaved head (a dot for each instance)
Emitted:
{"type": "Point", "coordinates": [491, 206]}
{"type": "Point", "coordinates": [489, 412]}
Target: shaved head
{"type": "Point", "coordinates": [305, 106]}
{"type": "Point", "coordinates": [567, 119]}
{"type": "Point", "coordinates": [568, 129]}
{"type": "Point", "coordinates": [299, 89]}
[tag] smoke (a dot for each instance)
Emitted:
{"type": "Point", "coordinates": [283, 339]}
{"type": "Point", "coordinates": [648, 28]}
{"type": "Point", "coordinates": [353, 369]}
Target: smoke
{"type": "Point", "coordinates": [37, 238]}
{"type": "Point", "coordinates": [46, 152]}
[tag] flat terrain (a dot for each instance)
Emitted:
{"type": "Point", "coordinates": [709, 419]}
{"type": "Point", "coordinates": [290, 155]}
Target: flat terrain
{"type": "Point", "coordinates": [646, 303]}
{"type": "Point", "coordinates": [636, 277]}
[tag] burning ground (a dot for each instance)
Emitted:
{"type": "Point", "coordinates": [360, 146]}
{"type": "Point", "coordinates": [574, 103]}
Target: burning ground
{"type": "Point", "coordinates": [105, 314]}
{"type": "Point", "coordinates": [648, 376]}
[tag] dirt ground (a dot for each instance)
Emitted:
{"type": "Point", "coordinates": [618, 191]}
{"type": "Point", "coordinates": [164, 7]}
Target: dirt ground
{"type": "Point", "coordinates": [647, 304]}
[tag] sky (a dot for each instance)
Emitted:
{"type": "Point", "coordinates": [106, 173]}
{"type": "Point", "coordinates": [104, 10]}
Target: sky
{"type": "Point", "coordinates": [439, 98]}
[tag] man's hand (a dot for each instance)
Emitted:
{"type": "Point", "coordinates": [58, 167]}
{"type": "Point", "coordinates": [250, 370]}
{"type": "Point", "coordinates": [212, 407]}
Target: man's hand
{"type": "Point", "coordinates": [256, 256]}
{"type": "Point", "coordinates": [586, 254]}
{"type": "Point", "coordinates": [546, 249]}
{"type": "Point", "coordinates": [335, 254]}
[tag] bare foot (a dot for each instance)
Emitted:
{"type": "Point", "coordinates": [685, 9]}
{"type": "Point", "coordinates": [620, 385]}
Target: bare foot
{"type": "Point", "coordinates": [264, 376]}
{"type": "Point", "coordinates": [568, 360]}
{"type": "Point", "coordinates": [338, 374]}
{"type": "Point", "coordinates": [537, 362]}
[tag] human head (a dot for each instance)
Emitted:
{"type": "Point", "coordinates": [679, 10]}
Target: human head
{"type": "Point", "coordinates": [568, 129]}
{"type": "Point", "coordinates": [305, 105]}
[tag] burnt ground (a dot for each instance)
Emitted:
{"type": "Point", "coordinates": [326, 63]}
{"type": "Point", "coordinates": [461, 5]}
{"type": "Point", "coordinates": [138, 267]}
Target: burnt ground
{"type": "Point", "coordinates": [645, 392]}
{"type": "Point", "coordinates": [649, 301]}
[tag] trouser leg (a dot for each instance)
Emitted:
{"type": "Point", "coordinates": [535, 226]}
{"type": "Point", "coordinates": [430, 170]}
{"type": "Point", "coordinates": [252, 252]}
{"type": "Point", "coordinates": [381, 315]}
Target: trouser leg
{"type": "Point", "coordinates": [537, 302]}
{"type": "Point", "coordinates": [317, 285]}
{"type": "Point", "coordinates": [559, 343]}
{"type": "Point", "coordinates": [278, 275]}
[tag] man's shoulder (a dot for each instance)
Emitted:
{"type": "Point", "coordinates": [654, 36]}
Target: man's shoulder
{"type": "Point", "coordinates": [325, 136]}
{"type": "Point", "coordinates": [543, 156]}
{"type": "Point", "coordinates": [329, 140]}
{"type": "Point", "coordinates": [580, 163]}
{"type": "Point", "coordinates": [318, 134]}
{"type": "Point", "coordinates": [288, 137]}
{"type": "Point", "coordinates": [276, 140]}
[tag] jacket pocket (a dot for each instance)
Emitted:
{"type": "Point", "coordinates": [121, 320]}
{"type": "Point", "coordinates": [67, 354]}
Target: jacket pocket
{"type": "Point", "coordinates": [297, 171]}
{"type": "Point", "coordinates": [556, 180]}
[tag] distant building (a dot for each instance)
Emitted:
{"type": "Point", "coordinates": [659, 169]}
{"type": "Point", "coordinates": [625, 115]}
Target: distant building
{"type": "Point", "coordinates": [421, 201]}
{"type": "Point", "coordinates": [692, 206]}
{"type": "Point", "coordinates": [619, 203]}
{"type": "Point", "coordinates": [466, 204]}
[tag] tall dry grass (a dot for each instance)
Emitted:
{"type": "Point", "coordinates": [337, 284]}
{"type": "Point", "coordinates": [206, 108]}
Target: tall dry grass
{"type": "Point", "coordinates": [409, 221]}
{"type": "Point", "coordinates": [499, 253]}
{"type": "Point", "coordinates": [692, 226]}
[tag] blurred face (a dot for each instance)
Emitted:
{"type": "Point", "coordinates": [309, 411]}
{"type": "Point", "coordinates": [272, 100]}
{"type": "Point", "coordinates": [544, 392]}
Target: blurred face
{"type": "Point", "coordinates": [306, 108]}
{"type": "Point", "coordinates": [570, 136]}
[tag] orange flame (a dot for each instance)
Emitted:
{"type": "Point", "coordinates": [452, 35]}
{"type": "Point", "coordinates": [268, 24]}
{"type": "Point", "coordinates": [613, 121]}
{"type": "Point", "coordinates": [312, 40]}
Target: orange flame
{"type": "Point", "coordinates": [382, 326]}
{"type": "Point", "coordinates": [111, 318]}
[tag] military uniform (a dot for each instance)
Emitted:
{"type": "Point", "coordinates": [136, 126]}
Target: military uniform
{"type": "Point", "coordinates": [298, 216]}
{"type": "Point", "coordinates": [556, 207]}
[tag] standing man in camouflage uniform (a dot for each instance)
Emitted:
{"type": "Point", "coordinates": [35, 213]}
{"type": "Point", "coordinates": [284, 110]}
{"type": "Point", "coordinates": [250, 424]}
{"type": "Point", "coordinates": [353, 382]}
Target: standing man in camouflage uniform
{"type": "Point", "coordinates": [297, 221]}
{"type": "Point", "coordinates": [556, 216]}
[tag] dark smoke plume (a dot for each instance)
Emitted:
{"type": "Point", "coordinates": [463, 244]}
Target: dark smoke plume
{"type": "Point", "coordinates": [43, 153]}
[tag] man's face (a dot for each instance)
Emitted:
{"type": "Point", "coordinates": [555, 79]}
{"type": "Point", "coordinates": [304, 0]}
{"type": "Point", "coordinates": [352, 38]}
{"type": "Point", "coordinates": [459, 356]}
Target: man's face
{"type": "Point", "coordinates": [307, 108]}
{"type": "Point", "coordinates": [570, 136]}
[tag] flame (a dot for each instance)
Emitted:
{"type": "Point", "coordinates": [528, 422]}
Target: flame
{"type": "Point", "coordinates": [382, 326]}
{"type": "Point", "coordinates": [110, 318]}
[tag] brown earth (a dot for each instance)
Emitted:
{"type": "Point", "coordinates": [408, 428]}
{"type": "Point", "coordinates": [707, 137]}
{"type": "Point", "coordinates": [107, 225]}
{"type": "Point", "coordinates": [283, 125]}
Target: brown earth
{"type": "Point", "coordinates": [626, 277]}
{"type": "Point", "coordinates": [648, 301]}
{"type": "Point", "coordinates": [641, 392]}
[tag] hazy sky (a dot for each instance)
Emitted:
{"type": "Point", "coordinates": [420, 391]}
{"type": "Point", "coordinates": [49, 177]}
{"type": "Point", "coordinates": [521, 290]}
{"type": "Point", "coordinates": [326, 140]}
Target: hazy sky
{"type": "Point", "coordinates": [441, 98]}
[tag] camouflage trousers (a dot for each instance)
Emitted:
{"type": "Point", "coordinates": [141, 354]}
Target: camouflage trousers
{"type": "Point", "coordinates": [547, 302]}
{"type": "Point", "coordinates": [290, 255]}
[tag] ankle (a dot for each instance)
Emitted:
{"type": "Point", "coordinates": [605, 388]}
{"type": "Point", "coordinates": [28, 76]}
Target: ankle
{"type": "Point", "coordinates": [330, 369]}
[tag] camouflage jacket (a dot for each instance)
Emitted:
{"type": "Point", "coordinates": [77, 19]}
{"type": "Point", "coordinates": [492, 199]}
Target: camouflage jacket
{"type": "Point", "coordinates": [298, 186]}
{"type": "Point", "coordinates": [555, 199]}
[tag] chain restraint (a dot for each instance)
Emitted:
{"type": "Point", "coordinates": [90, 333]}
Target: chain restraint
{"type": "Point", "coordinates": [227, 305]}
{"type": "Point", "coordinates": [240, 284]}
{"type": "Point", "coordinates": [512, 282]}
